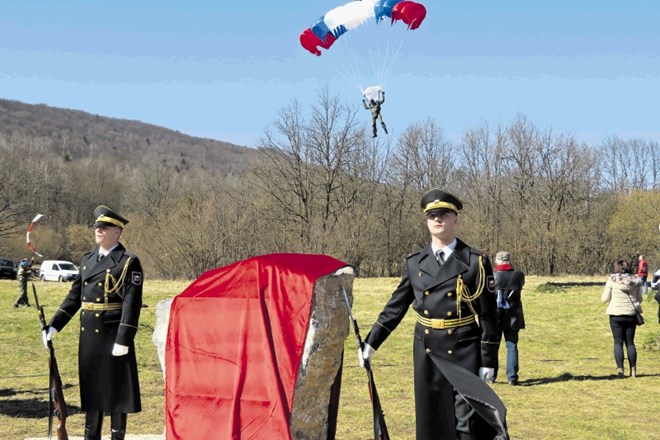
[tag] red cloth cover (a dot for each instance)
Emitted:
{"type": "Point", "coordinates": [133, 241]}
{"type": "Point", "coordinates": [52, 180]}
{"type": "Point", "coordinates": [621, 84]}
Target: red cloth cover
{"type": "Point", "coordinates": [235, 341]}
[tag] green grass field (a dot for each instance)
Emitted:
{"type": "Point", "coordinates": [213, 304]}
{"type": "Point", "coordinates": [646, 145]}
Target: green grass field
{"type": "Point", "coordinates": [568, 388]}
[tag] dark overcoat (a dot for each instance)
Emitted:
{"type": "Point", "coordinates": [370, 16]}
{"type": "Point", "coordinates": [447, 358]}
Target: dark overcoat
{"type": "Point", "coordinates": [432, 291]}
{"type": "Point", "coordinates": [110, 293]}
{"type": "Point", "coordinates": [512, 282]}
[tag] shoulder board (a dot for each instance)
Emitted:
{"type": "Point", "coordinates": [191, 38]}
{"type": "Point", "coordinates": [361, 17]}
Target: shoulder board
{"type": "Point", "coordinates": [412, 254]}
{"type": "Point", "coordinates": [131, 255]}
{"type": "Point", "coordinates": [476, 251]}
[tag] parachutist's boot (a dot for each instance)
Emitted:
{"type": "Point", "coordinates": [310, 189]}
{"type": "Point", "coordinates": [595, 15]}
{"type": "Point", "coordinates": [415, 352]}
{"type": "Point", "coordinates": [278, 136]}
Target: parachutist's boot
{"type": "Point", "coordinates": [384, 128]}
{"type": "Point", "coordinates": [117, 426]}
{"type": "Point", "coordinates": [93, 425]}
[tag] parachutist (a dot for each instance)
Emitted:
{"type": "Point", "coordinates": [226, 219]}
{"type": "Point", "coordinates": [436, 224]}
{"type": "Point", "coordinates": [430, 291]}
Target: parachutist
{"type": "Point", "coordinates": [374, 105]}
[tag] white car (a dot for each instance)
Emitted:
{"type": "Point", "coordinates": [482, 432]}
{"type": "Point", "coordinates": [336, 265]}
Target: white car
{"type": "Point", "coordinates": [58, 270]}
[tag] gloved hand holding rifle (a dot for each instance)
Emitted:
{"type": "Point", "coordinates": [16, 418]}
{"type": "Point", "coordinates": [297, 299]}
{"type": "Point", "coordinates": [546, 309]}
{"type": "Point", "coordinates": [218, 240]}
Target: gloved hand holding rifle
{"type": "Point", "coordinates": [365, 352]}
{"type": "Point", "coordinates": [56, 403]}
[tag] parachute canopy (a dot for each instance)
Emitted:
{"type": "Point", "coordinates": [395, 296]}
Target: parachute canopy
{"type": "Point", "coordinates": [337, 21]}
{"type": "Point", "coordinates": [373, 93]}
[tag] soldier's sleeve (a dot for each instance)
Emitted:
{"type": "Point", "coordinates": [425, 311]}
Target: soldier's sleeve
{"type": "Point", "coordinates": [69, 306]}
{"type": "Point", "coordinates": [488, 317]}
{"type": "Point", "coordinates": [132, 303]}
{"type": "Point", "coordinates": [393, 312]}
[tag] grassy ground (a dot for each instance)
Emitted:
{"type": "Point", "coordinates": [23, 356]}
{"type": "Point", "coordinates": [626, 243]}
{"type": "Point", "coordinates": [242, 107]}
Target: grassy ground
{"type": "Point", "coordinates": [568, 388]}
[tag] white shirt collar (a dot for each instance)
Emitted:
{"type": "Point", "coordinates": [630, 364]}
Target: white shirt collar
{"type": "Point", "coordinates": [447, 250]}
{"type": "Point", "coordinates": [103, 253]}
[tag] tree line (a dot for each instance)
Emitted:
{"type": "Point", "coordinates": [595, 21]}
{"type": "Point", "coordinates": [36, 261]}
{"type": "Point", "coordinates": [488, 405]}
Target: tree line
{"type": "Point", "coordinates": [322, 185]}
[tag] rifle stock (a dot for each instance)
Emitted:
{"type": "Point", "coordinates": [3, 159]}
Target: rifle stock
{"type": "Point", "coordinates": [380, 428]}
{"type": "Point", "coordinates": [56, 403]}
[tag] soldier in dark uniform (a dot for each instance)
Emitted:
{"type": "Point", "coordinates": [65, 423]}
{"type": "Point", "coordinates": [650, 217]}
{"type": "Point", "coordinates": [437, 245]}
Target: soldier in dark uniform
{"type": "Point", "coordinates": [109, 292]}
{"type": "Point", "coordinates": [450, 286]}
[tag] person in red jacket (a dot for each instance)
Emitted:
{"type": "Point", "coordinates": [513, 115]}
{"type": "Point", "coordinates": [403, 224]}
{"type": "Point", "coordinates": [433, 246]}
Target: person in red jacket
{"type": "Point", "coordinates": [643, 273]}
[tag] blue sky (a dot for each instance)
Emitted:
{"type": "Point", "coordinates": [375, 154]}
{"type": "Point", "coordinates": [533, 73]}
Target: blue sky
{"type": "Point", "coordinates": [225, 69]}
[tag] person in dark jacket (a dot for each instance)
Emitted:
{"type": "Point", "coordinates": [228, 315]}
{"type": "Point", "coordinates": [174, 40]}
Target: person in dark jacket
{"type": "Point", "coordinates": [450, 287]}
{"type": "Point", "coordinates": [109, 292]}
{"type": "Point", "coordinates": [510, 317]}
{"type": "Point", "coordinates": [24, 273]}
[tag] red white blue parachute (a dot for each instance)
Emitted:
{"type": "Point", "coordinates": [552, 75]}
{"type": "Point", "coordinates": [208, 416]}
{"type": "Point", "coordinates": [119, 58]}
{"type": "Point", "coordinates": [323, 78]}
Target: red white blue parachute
{"type": "Point", "coordinates": [337, 21]}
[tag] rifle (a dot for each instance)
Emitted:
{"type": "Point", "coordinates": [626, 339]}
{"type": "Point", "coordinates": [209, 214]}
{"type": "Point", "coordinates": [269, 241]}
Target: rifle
{"type": "Point", "coordinates": [380, 428]}
{"type": "Point", "coordinates": [56, 403]}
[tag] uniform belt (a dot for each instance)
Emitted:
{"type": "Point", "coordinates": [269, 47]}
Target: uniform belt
{"type": "Point", "coordinates": [101, 306]}
{"type": "Point", "coordinates": [445, 323]}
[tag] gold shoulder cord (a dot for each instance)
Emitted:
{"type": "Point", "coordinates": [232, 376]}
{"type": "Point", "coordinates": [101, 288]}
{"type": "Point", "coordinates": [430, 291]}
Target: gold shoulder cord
{"type": "Point", "coordinates": [463, 293]}
{"type": "Point", "coordinates": [115, 283]}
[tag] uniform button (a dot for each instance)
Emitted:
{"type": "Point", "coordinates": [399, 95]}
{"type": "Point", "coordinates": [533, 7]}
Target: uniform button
{"type": "Point", "coordinates": [428, 350]}
{"type": "Point", "coordinates": [107, 270]}
{"type": "Point", "coordinates": [99, 300]}
{"type": "Point", "coordinates": [84, 298]}
{"type": "Point", "coordinates": [84, 267]}
{"type": "Point", "coordinates": [97, 330]}
{"type": "Point", "coordinates": [450, 352]}
{"type": "Point", "coordinates": [85, 283]}
{"type": "Point", "coordinates": [99, 284]}
{"type": "Point", "coordinates": [82, 329]}
{"type": "Point", "coordinates": [426, 292]}
{"type": "Point", "coordinates": [426, 312]}
{"type": "Point", "coordinates": [419, 273]}
{"type": "Point", "coordinates": [450, 294]}
{"type": "Point", "coordinates": [426, 332]}
{"type": "Point", "coordinates": [98, 314]}
{"type": "Point", "coordinates": [450, 331]}
{"type": "Point", "coordinates": [448, 313]}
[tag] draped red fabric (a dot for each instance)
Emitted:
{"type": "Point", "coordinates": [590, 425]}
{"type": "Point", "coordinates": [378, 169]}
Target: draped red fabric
{"type": "Point", "coordinates": [235, 341]}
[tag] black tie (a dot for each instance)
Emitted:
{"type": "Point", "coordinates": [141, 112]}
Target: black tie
{"type": "Point", "coordinates": [440, 256]}
{"type": "Point", "coordinates": [100, 257]}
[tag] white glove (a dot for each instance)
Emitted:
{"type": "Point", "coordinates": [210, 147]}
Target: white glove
{"type": "Point", "coordinates": [365, 354]}
{"type": "Point", "coordinates": [47, 335]}
{"type": "Point", "coordinates": [487, 374]}
{"type": "Point", "coordinates": [119, 350]}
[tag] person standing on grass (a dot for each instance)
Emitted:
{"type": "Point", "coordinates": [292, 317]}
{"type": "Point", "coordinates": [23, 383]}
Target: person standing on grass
{"type": "Point", "coordinates": [643, 273]}
{"type": "Point", "coordinates": [510, 317]}
{"type": "Point", "coordinates": [622, 295]}
{"type": "Point", "coordinates": [109, 291]}
{"type": "Point", "coordinates": [23, 275]}
{"type": "Point", "coordinates": [450, 287]}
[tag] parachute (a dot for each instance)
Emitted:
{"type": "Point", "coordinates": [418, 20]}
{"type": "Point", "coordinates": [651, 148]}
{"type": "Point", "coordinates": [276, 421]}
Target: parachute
{"type": "Point", "coordinates": [30, 245]}
{"type": "Point", "coordinates": [374, 93]}
{"type": "Point", "coordinates": [325, 31]}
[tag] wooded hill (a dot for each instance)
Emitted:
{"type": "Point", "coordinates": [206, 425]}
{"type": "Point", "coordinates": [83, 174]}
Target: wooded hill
{"type": "Point", "coordinates": [318, 183]}
{"type": "Point", "coordinates": [76, 135]}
